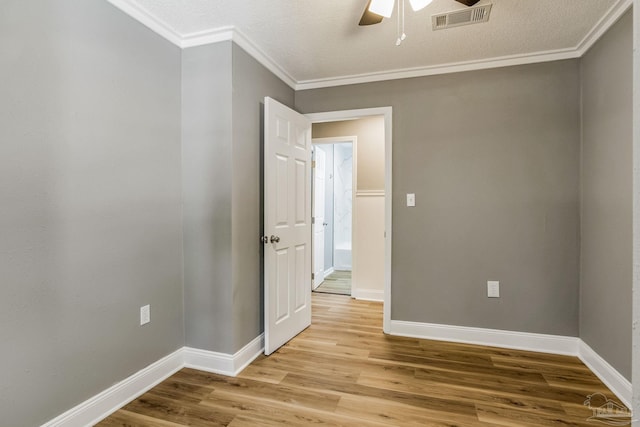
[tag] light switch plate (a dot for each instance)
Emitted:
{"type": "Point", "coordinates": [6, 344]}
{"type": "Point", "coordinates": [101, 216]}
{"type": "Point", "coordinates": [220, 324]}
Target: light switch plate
{"type": "Point", "coordinates": [145, 315]}
{"type": "Point", "coordinates": [493, 289]}
{"type": "Point", "coordinates": [411, 199]}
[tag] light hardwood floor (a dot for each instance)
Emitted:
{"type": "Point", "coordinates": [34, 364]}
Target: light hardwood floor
{"type": "Point", "coordinates": [344, 371]}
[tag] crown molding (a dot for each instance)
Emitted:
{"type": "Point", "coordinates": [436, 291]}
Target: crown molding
{"type": "Point", "coordinates": [253, 50]}
{"type": "Point", "coordinates": [233, 34]}
{"type": "Point", "coordinates": [601, 27]}
{"type": "Point", "coordinates": [202, 38]}
{"type": "Point", "coordinates": [432, 70]}
{"type": "Point", "coordinates": [148, 20]}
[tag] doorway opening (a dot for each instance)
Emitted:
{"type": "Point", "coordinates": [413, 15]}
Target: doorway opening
{"type": "Point", "coordinates": [333, 190]}
{"type": "Point", "coordinates": [370, 248]}
{"type": "Point", "coordinates": [288, 228]}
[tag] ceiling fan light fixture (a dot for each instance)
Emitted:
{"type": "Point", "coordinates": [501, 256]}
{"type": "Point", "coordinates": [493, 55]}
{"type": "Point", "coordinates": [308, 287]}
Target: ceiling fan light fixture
{"type": "Point", "coordinates": [382, 7]}
{"type": "Point", "coordinates": [416, 5]}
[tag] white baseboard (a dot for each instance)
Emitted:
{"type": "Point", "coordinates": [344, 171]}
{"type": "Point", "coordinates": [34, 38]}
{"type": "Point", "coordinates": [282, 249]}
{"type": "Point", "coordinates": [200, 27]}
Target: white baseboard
{"type": "Point", "coordinates": [248, 354]}
{"type": "Point", "coordinates": [223, 363]}
{"type": "Point", "coordinates": [617, 383]}
{"type": "Point", "coordinates": [209, 361]}
{"type": "Point", "coordinates": [367, 294]}
{"type": "Point", "coordinates": [554, 344]}
{"type": "Point", "coordinates": [328, 271]}
{"type": "Point", "coordinates": [490, 337]}
{"type": "Point", "coordinates": [105, 403]}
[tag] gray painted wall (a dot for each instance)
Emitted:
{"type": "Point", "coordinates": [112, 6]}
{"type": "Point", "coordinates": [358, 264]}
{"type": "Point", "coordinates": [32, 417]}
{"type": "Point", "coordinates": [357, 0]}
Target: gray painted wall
{"type": "Point", "coordinates": [606, 213]}
{"type": "Point", "coordinates": [90, 214]}
{"type": "Point", "coordinates": [222, 106]}
{"type": "Point", "coordinates": [206, 192]}
{"type": "Point", "coordinates": [493, 158]}
{"type": "Point", "coordinates": [251, 83]}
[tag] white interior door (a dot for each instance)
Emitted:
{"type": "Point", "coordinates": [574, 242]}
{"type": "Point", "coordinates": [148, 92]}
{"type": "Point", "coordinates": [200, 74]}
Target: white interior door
{"type": "Point", "coordinates": [287, 224]}
{"type": "Point", "coordinates": [318, 215]}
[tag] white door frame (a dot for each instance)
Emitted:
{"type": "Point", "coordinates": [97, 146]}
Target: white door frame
{"type": "Point", "coordinates": [334, 116]}
{"type": "Point", "coordinates": [636, 212]}
{"type": "Point", "coordinates": [353, 140]}
{"type": "Point", "coordinates": [315, 280]}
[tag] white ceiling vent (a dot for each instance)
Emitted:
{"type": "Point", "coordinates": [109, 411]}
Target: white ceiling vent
{"type": "Point", "coordinates": [471, 15]}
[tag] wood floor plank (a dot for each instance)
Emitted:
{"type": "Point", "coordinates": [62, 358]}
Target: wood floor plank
{"type": "Point", "coordinates": [179, 412]}
{"type": "Point", "coordinates": [406, 397]}
{"type": "Point", "coordinates": [584, 382]}
{"type": "Point", "coordinates": [471, 394]}
{"type": "Point", "coordinates": [173, 389]}
{"type": "Point", "coordinates": [280, 412]}
{"type": "Point", "coordinates": [124, 418]}
{"type": "Point", "coordinates": [245, 388]}
{"type": "Point", "coordinates": [320, 365]}
{"type": "Point", "coordinates": [344, 371]}
{"type": "Point", "coordinates": [259, 372]}
{"type": "Point", "coordinates": [398, 414]}
{"type": "Point", "coordinates": [508, 416]}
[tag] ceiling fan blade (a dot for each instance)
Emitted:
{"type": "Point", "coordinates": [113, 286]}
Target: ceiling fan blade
{"type": "Point", "coordinates": [468, 2]}
{"type": "Point", "coordinates": [369, 18]}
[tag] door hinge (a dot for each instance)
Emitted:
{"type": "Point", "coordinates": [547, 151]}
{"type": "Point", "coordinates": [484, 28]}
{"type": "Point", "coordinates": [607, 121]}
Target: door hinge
{"type": "Point", "coordinates": [313, 276]}
{"type": "Point", "coordinates": [313, 164]}
{"type": "Point", "coordinates": [313, 220]}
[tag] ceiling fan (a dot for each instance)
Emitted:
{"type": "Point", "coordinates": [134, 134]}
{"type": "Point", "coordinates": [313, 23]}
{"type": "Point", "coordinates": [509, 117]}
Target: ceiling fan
{"type": "Point", "coordinates": [376, 10]}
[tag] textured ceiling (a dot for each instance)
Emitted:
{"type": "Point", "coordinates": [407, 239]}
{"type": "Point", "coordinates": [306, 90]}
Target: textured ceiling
{"type": "Point", "coordinates": [319, 40]}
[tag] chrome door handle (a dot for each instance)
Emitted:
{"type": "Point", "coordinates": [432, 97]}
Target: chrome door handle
{"type": "Point", "coordinates": [274, 239]}
{"type": "Point", "coordinates": [324, 224]}
{"type": "Point", "coordinates": [264, 239]}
